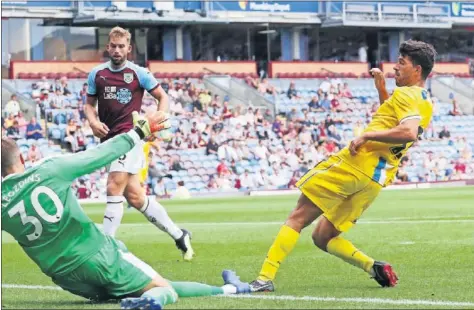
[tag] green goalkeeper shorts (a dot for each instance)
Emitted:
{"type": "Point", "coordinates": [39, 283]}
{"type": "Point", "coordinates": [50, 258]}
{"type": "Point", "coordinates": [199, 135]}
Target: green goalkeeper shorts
{"type": "Point", "coordinates": [112, 273]}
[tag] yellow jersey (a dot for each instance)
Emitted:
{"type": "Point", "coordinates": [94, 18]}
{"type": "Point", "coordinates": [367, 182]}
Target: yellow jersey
{"type": "Point", "coordinates": [378, 160]}
{"type": "Point", "coordinates": [144, 171]}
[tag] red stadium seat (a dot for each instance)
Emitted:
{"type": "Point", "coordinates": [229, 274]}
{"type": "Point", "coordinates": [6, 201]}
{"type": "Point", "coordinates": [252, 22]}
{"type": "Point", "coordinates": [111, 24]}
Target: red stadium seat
{"type": "Point", "coordinates": [35, 75]}
{"type": "Point", "coordinates": [50, 75]}
{"type": "Point", "coordinates": [72, 75]}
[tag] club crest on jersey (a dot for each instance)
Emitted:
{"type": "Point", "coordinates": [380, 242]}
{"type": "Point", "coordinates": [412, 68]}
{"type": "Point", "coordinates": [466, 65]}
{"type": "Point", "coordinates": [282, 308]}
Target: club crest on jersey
{"type": "Point", "coordinates": [128, 77]}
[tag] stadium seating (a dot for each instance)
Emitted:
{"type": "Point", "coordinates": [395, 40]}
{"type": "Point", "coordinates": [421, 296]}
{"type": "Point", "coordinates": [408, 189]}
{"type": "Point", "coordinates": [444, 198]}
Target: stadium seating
{"type": "Point", "coordinates": [199, 168]}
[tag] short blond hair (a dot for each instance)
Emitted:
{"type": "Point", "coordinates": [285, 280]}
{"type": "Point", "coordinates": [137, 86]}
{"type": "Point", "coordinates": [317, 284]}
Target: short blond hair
{"type": "Point", "coordinates": [119, 32]}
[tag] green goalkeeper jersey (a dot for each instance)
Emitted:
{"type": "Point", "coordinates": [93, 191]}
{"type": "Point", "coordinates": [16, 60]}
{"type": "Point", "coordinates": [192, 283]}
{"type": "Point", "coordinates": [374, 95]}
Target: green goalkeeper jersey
{"type": "Point", "coordinates": [42, 213]}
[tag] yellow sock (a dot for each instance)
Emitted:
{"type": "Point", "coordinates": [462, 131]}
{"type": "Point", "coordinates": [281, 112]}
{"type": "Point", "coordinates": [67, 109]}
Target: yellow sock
{"type": "Point", "coordinates": [282, 246]}
{"type": "Point", "coordinates": [348, 252]}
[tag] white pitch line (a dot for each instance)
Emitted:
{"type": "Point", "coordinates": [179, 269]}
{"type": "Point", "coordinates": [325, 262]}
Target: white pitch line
{"type": "Point", "coordinates": [411, 302]}
{"type": "Point", "coordinates": [33, 287]}
{"type": "Point", "coordinates": [406, 302]}
{"type": "Point", "coordinates": [256, 223]}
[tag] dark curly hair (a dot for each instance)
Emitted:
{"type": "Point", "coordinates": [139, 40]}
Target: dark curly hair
{"type": "Point", "coordinates": [420, 53]}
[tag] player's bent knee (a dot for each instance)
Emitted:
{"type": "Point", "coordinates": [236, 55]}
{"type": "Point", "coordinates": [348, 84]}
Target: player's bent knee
{"type": "Point", "coordinates": [157, 281]}
{"type": "Point", "coordinates": [116, 185]}
{"type": "Point", "coordinates": [323, 233]}
{"type": "Point", "coordinates": [135, 196]}
{"type": "Point", "coordinates": [320, 240]}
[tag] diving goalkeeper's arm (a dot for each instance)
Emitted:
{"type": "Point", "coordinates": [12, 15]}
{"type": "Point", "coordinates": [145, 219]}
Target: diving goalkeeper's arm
{"type": "Point", "coordinates": [73, 166]}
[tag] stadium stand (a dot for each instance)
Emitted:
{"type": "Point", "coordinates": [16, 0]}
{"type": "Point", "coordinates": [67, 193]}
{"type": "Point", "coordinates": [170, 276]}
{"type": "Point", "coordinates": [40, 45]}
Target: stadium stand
{"type": "Point", "coordinates": [221, 148]}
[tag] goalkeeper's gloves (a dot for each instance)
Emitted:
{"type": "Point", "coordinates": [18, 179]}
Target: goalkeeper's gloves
{"type": "Point", "coordinates": [145, 129]}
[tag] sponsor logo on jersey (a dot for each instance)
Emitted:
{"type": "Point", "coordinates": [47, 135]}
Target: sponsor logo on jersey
{"type": "Point", "coordinates": [124, 95]}
{"type": "Point", "coordinates": [128, 77]}
{"type": "Point", "coordinates": [109, 92]}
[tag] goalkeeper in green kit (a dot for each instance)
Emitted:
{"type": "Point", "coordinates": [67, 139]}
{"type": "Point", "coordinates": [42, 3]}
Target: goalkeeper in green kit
{"type": "Point", "coordinates": [40, 210]}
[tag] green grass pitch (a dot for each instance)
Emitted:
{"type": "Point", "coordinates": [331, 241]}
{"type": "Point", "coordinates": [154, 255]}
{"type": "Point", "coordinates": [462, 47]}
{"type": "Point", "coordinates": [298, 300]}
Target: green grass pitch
{"type": "Point", "coordinates": [427, 235]}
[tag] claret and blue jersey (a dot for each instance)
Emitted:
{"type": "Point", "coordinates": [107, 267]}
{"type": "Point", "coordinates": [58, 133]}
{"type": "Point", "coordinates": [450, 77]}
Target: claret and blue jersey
{"type": "Point", "coordinates": [119, 92]}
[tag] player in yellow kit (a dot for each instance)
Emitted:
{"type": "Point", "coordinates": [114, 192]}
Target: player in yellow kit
{"type": "Point", "coordinates": [343, 187]}
{"type": "Point", "coordinates": [144, 171]}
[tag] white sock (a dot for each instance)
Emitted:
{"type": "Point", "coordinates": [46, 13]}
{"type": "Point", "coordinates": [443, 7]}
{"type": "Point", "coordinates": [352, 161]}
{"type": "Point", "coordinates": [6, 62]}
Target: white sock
{"type": "Point", "coordinates": [113, 215]}
{"type": "Point", "coordinates": [157, 215]}
{"type": "Point", "coordinates": [229, 289]}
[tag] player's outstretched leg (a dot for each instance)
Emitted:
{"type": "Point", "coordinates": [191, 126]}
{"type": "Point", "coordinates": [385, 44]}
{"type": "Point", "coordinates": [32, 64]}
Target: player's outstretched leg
{"type": "Point", "coordinates": [303, 215]}
{"type": "Point", "coordinates": [155, 296]}
{"type": "Point", "coordinates": [326, 237]}
{"type": "Point", "coordinates": [157, 215]}
{"type": "Point", "coordinates": [160, 296]}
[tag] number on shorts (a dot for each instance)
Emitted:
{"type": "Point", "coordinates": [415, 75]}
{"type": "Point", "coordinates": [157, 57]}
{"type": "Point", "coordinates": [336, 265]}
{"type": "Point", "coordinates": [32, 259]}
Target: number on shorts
{"type": "Point", "coordinates": [19, 209]}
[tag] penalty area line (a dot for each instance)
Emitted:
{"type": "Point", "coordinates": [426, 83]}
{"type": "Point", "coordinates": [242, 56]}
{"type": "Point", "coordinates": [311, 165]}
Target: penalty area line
{"type": "Point", "coordinates": [409, 302]}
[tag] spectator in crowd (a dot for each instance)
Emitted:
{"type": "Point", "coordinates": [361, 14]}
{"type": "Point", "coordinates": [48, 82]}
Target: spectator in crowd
{"type": "Point", "coordinates": [444, 134]}
{"type": "Point", "coordinates": [314, 105]}
{"type": "Point", "coordinates": [71, 135]}
{"type": "Point", "coordinates": [22, 123]}
{"type": "Point", "coordinates": [455, 111]}
{"type": "Point", "coordinates": [222, 168]}
{"type": "Point", "coordinates": [44, 84]}
{"type": "Point", "coordinates": [345, 92]}
{"type": "Point", "coordinates": [293, 180]}
{"type": "Point", "coordinates": [325, 104]}
{"type": "Point", "coordinates": [160, 189]}
{"type": "Point", "coordinates": [265, 88]}
{"type": "Point", "coordinates": [83, 192]}
{"type": "Point", "coordinates": [57, 100]}
{"type": "Point", "coordinates": [34, 130]}
{"type": "Point", "coordinates": [212, 183]}
{"type": "Point", "coordinates": [9, 121]}
{"type": "Point", "coordinates": [247, 181]}
{"type": "Point", "coordinates": [261, 179]}
{"type": "Point", "coordinates": [12, 106]}
{"type": "Point", "coordinates": [176, 165]}
{"type": "Point", "coordinates": [14, 131]}
{"type": "Point", "coordinates": [292, 93]}
{"type": "Point", "coordinates": [226, 152]}
{"type": "Point", "coordinates": [211, 147]}
{"type": "Point", "coordinates": [83, 93]}
{"type": "Point", "coordinates": [87, 130]}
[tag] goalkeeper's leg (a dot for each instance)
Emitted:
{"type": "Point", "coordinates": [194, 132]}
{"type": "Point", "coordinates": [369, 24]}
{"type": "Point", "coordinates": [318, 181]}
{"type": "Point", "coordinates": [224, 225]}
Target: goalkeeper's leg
{"type": "Point", "coordinates": [161, 292]}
